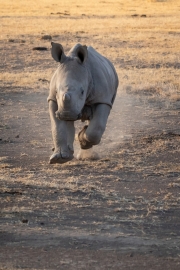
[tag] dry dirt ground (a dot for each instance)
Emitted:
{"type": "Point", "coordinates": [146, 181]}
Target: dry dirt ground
{"type": "Point", "coordinates": [123, 210]}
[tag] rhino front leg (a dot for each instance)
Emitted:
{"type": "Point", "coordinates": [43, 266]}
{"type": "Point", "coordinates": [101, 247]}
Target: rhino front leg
{"type": "Point", "coordinates": [63, 137]}
{"type": "Point", "coordinates": [70, 135]}
{"type": "Point", "coordinates": [91, 135]}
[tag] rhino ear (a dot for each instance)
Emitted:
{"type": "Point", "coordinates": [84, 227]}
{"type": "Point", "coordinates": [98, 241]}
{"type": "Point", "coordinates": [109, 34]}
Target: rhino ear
{"type": "Point", "coordinates": [57, 52]}
{"type": "Point", "coordinates": [81, 53]}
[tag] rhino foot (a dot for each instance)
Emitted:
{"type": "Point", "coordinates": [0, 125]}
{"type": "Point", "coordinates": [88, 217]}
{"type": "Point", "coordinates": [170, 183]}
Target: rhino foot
{"type": "Point", "coordinates": [87, 154]}
{"type": "Point", "coordinates": [61, 158]}
{"type": "Point", "coordinates": [83, 142]}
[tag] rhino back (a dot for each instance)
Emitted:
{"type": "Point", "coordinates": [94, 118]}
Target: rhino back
{"type": "Point", "coordinates": [105, 79]}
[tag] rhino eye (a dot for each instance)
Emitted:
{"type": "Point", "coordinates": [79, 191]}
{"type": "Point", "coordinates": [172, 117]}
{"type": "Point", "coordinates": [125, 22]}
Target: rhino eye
{"type": "Point", "coordinates": [82, 92]}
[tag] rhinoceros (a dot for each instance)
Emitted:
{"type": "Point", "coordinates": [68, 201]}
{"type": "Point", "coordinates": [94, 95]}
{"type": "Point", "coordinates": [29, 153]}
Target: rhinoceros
{"type": "Point", "coordinates": [82, 88]}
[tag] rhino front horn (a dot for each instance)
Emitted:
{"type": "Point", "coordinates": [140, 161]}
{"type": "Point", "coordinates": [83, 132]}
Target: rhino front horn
{"type": "Point", "coordinates": [66, 97]}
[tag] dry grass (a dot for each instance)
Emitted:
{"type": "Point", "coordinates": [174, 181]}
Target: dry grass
{"type": "Point", "coordinates": [145, 50]}
{"type": "Point", "coordinates": [30, 17]}
{"type": "Point", "coordinates": [92, 7]}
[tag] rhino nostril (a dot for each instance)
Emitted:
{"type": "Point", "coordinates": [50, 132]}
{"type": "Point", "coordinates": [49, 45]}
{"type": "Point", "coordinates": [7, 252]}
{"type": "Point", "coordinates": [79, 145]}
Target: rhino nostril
{"type": "Point", "coordinates": [66, 97]}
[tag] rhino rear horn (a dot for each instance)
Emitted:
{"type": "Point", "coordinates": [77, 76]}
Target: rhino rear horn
{"type": "Point", "coordinates": [57, 52]}
{"type": "Point", "coordinates": [81, 53]}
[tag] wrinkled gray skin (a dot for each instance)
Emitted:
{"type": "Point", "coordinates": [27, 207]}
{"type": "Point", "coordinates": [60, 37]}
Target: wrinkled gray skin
{"type": "Point", "coordinates": [83, 87]}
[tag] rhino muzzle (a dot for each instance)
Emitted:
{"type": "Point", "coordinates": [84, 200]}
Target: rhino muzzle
{"type": "Point", "coordinates": [68, 116]}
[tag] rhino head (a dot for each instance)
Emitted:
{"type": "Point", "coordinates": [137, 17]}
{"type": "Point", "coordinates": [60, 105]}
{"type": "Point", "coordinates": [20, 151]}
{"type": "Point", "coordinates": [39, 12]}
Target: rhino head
{"type": "Point", "coordinates": [71, 81]}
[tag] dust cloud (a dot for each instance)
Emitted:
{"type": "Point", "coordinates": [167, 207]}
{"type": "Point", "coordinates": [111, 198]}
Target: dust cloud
{"type": "Point", "coordinates": [129, 117]}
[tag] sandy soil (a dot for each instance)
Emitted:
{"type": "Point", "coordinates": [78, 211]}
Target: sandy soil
{"type": "Point", "coordinates": [119, 212]}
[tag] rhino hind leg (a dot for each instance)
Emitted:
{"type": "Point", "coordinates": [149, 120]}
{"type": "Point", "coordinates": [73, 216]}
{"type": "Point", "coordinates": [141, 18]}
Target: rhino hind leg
{"type": "Point", "coordinates": [86, 152]}
{"type": "Point", "coordinates": [91, 134]}
{"type": "Point", "coordinates": [84, 143]}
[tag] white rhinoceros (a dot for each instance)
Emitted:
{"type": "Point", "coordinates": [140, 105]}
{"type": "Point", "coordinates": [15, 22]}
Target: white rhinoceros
{"type": "Point", "coordinates": [83, 87]}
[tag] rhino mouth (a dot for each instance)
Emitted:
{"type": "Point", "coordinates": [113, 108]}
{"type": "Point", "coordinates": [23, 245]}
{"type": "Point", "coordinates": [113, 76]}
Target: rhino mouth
{"type": "Point", "coordinates": [67, 116]}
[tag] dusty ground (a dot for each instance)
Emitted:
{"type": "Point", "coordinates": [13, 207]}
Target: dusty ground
{"type": "Point", "coordinates": [122, 211]}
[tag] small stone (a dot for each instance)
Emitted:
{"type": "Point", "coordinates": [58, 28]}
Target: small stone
{"type": "Point", "coordinates": [43, 80]}
{"type": "Point", "coordinates": [131, 254]}
{"type": "Point", "coordinates": [39, 49]}
{"type": "Point", "coordinates": [11, 40]}
{"type": "Point", "coordinates": [46, 37]}
{"type": "Point", "coordinates": [24, 220]}
{"type": "Point", "coordinates": [17, 136]}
